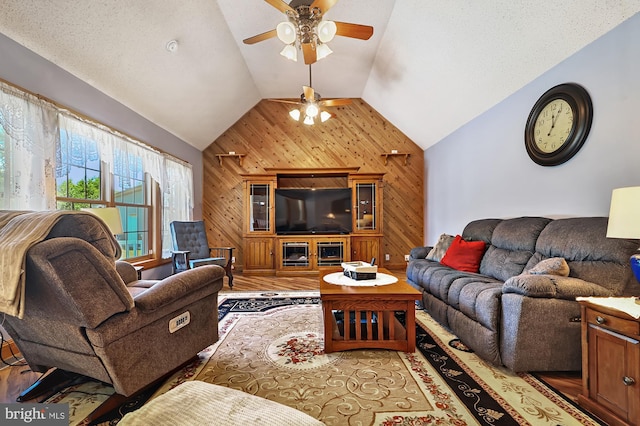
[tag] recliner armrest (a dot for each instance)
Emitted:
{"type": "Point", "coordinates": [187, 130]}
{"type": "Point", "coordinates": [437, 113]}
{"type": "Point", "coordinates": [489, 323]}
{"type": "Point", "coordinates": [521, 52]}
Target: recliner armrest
{"type": "Point", "coordinates": [553, 287]}
{"type": "Point", "coordinates": [126, 271]}
{"type": "Point", "coordinates": [180, 285]}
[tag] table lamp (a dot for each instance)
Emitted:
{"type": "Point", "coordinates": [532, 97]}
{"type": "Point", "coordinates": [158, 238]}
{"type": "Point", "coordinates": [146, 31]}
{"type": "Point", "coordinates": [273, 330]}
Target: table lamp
{"type": "Point", "coordinates": [110, 216]}
{"type": "Point", "coordinates": [624, 219]}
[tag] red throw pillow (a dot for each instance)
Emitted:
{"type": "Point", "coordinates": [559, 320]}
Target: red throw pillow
{"type": "Point", "coordinates": [464, 255]}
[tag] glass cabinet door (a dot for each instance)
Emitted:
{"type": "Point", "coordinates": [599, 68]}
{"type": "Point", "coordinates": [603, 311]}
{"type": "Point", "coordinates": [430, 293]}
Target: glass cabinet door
{"type": "Point", "coordinates": [365, 204]}
{"type": "Point", "coordinates": [330, 253]}
{"type": "Point", "coordinates": [295, 254]}
{"type": "Point", "coordinates": [259, 207]}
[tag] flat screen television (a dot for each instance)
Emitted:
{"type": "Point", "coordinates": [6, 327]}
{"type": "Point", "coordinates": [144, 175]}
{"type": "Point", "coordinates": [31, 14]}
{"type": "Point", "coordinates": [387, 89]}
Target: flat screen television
{"type": "Point", "coordinates": [313, 211]}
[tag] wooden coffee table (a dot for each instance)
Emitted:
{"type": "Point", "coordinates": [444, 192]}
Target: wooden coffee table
{"type": "Point", "coordinates": [357, 317]}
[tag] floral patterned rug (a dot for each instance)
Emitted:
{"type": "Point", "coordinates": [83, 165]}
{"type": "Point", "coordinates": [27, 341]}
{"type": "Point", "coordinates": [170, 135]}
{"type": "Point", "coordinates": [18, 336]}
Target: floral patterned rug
{"type": "Point", "coordinates": [271, 345]}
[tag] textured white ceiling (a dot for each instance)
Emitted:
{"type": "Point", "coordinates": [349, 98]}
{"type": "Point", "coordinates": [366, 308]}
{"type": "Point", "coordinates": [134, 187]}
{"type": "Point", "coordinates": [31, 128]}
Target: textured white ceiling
{"type": "Point", "coordinates": [446, 60]}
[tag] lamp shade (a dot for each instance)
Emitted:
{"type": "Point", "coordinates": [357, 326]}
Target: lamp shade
{"type": "Point", "coordinates": [624, 213]}
{"type": "Point", "coordinates": [322, 51]}
{"type": "Point", "coordinates": [110, 216]}
{"type": "Point", "coordinates": [290, 52]}
{"type": "Point", "coordinates": [286, 32]}
{"type": "Point", "coordinates": [326, 31]}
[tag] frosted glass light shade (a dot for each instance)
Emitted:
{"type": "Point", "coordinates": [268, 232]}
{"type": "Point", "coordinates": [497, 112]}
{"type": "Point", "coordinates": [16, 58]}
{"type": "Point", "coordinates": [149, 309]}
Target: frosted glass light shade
{"type": "Point", "coordinates": [286, 32]}
{"type": "Point", "coordinates": [290, 52]}
{"type": "Point", "coordinates": [322, 51]}
{"type": "Point", "coordinates": [295, 114]}
{"type": "Point", "coordinates": [110, 216]}
{"type": "Point", "coordinates": [624, 213]}
{"type": "Point", "coordinates": [324, 116]}
{"type": "Point", "coordinates": [312, 111]}
{"type": "Point", "coordinates": [326, 31]}
{"type": "Point", "coordinates": [308, 120]}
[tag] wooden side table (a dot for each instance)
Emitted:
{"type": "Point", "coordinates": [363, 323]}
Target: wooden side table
{"type": "Point", "coordinates": [610, 364]}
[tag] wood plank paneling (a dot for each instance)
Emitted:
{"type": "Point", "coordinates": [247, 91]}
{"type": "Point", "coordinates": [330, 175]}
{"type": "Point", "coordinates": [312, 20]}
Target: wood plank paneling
{"type": "Point", "coordinates": [355, 137]}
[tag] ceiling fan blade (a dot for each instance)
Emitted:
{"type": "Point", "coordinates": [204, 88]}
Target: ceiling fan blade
{"type": "Point", "coordinates": [345, 29]}
{"type": "Point", "coordinates": [285, 101]}
{"type": "Point", "coordinates": [309, 51]}
{"type": "Point", "coordinates": [309, 93]}
{"type": "Point", "coordinates": [280, 5]}
{"type": "Point", "coordinates": [335, 102]}
{"type": "Point", "coordinates": [323, 5]}
{"type": "Point", "coordinates": [260, 37]}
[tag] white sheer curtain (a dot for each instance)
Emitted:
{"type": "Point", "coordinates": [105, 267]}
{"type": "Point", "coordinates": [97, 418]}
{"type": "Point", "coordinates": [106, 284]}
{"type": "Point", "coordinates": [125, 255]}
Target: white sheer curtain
{"type": "Point", "coordinates": [177, 198]}
{"type": "Point", "coordinates": [174, 177]}
{"type": "Point", "coordinates": [29, 135]}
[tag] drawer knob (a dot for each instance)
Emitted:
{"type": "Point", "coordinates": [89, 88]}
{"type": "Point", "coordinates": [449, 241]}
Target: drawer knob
{"type": "Point", "coordinates": [628, 381]}
{"type": "Point", "coordinates": [600, 320]}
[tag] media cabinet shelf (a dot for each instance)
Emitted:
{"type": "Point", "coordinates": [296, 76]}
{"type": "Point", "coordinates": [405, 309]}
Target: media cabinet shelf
{"type": "Point", "coordinates": [267, 252]}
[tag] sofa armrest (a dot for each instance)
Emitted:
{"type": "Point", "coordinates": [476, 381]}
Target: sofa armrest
{"type": "Point", "coordinates": [175, 287]}
{"type": "Point", "coordinates": [553, 287]}
{"type": "Point", "coordinates": [419, 252]}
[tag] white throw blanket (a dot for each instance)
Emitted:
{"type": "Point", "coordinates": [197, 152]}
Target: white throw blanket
{"type": "Point", "coordinates": [19, 231]}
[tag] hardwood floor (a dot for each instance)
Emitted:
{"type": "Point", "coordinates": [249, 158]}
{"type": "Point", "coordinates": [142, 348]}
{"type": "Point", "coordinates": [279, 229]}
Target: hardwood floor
{"type": "Point", "coordinates": [14, 380]}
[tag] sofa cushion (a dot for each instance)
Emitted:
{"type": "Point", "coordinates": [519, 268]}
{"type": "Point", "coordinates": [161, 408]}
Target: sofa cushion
{"type": "Point", "coordinates": [441, 247]}
{"type": "Point", "coordinates": [552, 266]}
{"type": "Point", "coordinates": [464, 255]}
{"type": "Point", "coordinates": [513, 242]}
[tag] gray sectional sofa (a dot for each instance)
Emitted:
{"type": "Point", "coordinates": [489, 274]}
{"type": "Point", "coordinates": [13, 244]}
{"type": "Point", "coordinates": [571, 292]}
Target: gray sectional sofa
{"type": "Point", "coordinates": [509, 316]}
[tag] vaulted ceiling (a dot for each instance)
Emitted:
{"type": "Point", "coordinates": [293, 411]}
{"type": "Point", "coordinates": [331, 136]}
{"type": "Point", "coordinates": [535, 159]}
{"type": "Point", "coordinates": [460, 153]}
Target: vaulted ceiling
{"type": "Point", "coordinates": [430, 67]}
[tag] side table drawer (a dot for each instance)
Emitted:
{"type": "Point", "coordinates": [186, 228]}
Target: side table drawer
{"type": "Point", "coordinates": [621, 325]}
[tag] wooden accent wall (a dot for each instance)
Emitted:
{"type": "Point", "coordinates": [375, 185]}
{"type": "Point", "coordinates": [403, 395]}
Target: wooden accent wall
{"type": "Point", "coordinates": [355, 137]}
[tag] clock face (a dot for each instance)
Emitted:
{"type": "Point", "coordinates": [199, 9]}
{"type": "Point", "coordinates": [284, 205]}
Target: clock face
{"type": "Point", "coordinates": [553, 126]}
{"type": "Point", "coordinates": [558, 124]}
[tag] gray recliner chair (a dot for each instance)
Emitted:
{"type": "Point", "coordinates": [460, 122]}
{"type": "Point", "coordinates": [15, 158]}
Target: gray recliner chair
{"type": "Point", "coordinates": [87, 313]}
{"type": "Point", "coordinates": [191, 249]}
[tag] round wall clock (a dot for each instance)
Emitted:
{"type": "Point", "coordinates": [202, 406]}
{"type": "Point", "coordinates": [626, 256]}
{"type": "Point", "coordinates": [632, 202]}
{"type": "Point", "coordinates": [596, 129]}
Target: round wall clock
{"type": "Point", "coordinates": [558, 124]}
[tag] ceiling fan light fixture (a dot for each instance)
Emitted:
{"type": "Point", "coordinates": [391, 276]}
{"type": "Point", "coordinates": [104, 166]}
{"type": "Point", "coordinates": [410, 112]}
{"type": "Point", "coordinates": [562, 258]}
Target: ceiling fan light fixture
{"type": "Point", "coordinates": [312, 110]}
{"type": "Point", "coordinates": [308, 120]}
{"type": "Point", "coordinates": [324, 116]}
{"type": "Point", "coordinates": [290, 52]}
{"type": "Point", "coordinates": [327, 31]}
{"type": "Point", "coordinates": [295, 114]}
{"type": "Point", "coordinates": [322, 51]}
{"type": "Point", "coordinates": [286, 32]}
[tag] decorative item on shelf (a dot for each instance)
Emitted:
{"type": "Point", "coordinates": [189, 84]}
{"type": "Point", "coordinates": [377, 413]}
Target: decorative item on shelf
{"type": "Point", "coordinates": [306, 29]}
{"type": "Point", "coordinates": [311, 103]}
{"type": "Point", "coordinates": [110, 216]}
{"type": "Point", "coordinates": [624, 219]}
{"type": "Point", "coordinates": [395, 153]}
{"type": "Point", "coordinates": [231, 154]}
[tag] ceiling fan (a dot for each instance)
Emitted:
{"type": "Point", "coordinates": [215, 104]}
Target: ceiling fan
{"type": "Point", "coordinates": [310, 105]}
{"type": "Point", "coordinates": [306, 28]}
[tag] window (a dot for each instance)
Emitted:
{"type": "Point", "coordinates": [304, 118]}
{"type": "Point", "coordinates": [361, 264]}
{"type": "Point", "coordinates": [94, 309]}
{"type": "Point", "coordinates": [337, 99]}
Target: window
{"type": "Point", "coordinates": [51, 158]}
{"type": "Point", "coordinates": [95, 168]}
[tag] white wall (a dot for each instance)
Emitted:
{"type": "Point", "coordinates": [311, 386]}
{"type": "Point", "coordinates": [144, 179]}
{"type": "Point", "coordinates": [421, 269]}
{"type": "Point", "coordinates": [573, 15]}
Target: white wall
{"type": "Point", "coordinates": [483, 170]}
{"type": "Point", "coordinates": [25, 69]}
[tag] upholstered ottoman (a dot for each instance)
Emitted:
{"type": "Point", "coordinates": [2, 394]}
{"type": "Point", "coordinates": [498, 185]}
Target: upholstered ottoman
{"type": "Point", "coordinates": [198, 403]}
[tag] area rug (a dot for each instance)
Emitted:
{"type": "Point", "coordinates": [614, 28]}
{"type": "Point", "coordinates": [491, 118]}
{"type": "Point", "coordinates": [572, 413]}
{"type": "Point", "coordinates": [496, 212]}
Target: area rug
{"type": "Point", "coordinates": [271, 345]}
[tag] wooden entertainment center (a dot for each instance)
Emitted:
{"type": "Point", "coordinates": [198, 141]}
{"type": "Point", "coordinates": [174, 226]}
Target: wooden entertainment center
{"type": "Point", "coordinates": [266, 252]}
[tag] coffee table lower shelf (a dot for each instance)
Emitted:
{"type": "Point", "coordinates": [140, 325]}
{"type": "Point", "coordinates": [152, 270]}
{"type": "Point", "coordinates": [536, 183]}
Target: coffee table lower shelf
{"type": "Point", "coordinates": [372, 333]}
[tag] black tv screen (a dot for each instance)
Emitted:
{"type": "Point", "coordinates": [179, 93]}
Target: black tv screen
{"type": "Point", "coordinates": [313, 211]}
